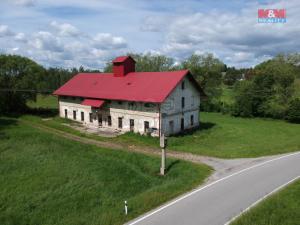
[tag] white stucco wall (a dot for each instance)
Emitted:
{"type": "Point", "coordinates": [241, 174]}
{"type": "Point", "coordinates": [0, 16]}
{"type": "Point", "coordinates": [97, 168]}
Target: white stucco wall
{"type": "Point", "coordinates": [172, 108]}
{"type": "Point", "coordinates": [138, 111]}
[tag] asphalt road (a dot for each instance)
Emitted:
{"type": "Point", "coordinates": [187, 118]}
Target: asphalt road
{"type": "Point", "coordinates": [220, 201]}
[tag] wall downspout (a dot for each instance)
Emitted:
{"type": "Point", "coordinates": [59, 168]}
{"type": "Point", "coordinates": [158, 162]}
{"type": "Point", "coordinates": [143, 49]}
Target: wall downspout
{"type": "Point", "coordinates": [159, 121]}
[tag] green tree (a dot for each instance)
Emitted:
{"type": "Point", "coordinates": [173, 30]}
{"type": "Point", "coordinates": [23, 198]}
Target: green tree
{"type": "Point", "coordinates": [232, 75]}
{"type": "Point", "coordinates": [293, 114]}
{"type": "Point", "coordinates": [269, 91]}
{"type": "Point", "coordinates": [208, 72]}
{"type": "Point", "coordinates": [147, 63]}
{"type": "Point", "coordinates": [16, 75]}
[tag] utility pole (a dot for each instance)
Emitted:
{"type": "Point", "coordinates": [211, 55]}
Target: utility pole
{"type": "Point", "coordinates": [163, 154]}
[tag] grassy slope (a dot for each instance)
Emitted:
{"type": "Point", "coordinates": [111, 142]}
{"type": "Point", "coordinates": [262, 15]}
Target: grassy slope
{"type": "Point", "coordinates": [44, 101]}
{"type": "Point", "coordinates": [45, 179]}
{"type": "Point", "coordinates": [281, 208]}
{"type": "Point", "coordinates": [220, 136]}
{"type": "Point", "coordinates": [227, 95]}
{"type": "Point", "coordinates": [230, 137]}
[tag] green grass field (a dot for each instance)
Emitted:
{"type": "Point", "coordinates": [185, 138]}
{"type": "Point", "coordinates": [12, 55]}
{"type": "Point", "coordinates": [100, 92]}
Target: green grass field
{"type": "Point", "coordinates": [281, 208]}
{"type": "Point", "coordinates": [44, 101]}
{"type": "Point", "coordinates": [231, 137]}
{"type": "Point", "coordinates": [227, 95]}
{"type": "Point", "coordinates": [219, 135]}
{"type": "Point", "coordinates": [45, 179]}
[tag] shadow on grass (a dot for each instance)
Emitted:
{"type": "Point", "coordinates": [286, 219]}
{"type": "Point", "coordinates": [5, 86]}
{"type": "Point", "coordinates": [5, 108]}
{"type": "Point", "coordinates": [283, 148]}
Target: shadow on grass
{"type": "Point", "coordinates": [171, 165]}
{"type": "Point", "coordinates": [206, 125]}
{"type": "Point", "coordinates": [203, 126]}
{"type": "Point", "coordinates": [42, 112]}
{"type": "Point", "coordinates": [4, 123]}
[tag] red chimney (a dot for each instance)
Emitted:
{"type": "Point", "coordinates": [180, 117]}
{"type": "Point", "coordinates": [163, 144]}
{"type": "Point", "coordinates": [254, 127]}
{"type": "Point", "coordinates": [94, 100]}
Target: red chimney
{"type": "Point", "coordinates": [123, 65]}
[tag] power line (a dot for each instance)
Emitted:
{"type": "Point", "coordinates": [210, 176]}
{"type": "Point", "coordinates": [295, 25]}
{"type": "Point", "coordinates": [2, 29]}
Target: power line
{"type": "Point", "coordinates": [25, 90]}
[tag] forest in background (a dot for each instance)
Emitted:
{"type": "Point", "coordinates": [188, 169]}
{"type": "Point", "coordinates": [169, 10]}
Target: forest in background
{"type": "Point", "coordinates": [270, 89]}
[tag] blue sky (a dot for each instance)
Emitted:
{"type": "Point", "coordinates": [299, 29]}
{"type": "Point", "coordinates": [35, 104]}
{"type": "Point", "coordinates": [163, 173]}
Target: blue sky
{"type": "Point", "coordinates": [74, 32]}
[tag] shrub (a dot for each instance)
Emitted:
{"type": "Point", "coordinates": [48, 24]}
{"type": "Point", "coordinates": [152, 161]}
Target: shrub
{"type": "Point", "coordinates": [293, 114]}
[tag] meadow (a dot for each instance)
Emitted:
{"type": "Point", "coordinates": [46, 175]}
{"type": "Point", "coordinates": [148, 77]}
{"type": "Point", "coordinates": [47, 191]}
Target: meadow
{"type": "Point", "coordinates": [281, 208]}
{"type": "Point", "coordinates": [219, 135]}
{"type": "Point", "coordinates": [46, 179]}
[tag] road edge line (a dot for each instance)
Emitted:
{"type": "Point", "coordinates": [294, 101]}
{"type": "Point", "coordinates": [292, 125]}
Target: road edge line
{"type": "Point", "coordinates": [261, 199]}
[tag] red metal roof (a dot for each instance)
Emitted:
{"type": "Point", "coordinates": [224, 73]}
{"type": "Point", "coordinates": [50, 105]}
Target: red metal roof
{"type": "Point", "coordinates": [121, 59]}
{"type": "Point", "coordinates": [136, 86]}
{"type": "Point", "coordinates": [93, 102]}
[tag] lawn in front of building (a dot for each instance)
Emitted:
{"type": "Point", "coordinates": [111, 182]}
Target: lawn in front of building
{"type": "Point", "coordinates": [46, 179]}
{"type": "Point", "coordinates": [219, 135]}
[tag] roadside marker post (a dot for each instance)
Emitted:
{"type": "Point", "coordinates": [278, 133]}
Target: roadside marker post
{"type": "Point", "coordinates": [126, 208]}
{"type": "Point", "coordinates": [163, 154]}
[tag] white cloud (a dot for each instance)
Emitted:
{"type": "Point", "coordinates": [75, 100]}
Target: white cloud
{"type": "Point", "coordinates": [236, 37]}
{"type": "Point", "coordinates": [46, 41]}
{"type": "Point", "coordinates": [108, 41]}
{"type": "Point", "coordinates": [26, 3]}
{"type": "Point", "coordinates": [65, 29]}
{"type": "Point", "coordinates": [5, 31]}
{"type": "Point", "coordinates": [153, 24]}
{"type": "Point", "coordinates": [20, 37]}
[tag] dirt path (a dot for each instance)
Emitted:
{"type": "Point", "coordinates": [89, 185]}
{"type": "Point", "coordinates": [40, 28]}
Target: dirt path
{"type": "Point", "coordinates": [222, 167]}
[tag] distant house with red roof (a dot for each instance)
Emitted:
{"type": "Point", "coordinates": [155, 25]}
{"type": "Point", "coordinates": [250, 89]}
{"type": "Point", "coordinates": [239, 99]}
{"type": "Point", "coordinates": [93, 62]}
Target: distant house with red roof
{"type": "Point", "coordinates": [144, 102]}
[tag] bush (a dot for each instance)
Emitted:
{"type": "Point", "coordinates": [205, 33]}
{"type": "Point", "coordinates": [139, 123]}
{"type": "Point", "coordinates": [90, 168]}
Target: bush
{"type": "Point", "coordinates": [293, 114]}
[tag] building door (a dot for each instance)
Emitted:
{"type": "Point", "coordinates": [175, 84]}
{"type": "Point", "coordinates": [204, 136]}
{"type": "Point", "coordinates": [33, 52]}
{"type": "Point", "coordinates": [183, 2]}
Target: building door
{"type": "Point", "coordinates": [146, 126]}
{"type": "Point", "coordinates": [182, 124]}
{"type": "Point", "coordinates": [120, 122]}
{"type": "Point", "coordinates": [131, 123]}
{"type": "Point", "coordinates": [100, 120]}
{"type": "Point", "coordinates": [66, 113]}
{"type": "Point", "coordinates": [171, 127]}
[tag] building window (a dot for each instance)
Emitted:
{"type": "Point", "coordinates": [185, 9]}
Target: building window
{"type": "Point", "coordinates": [66, 113]}
{"type": "Point", "coordinates": [82, 116]}
{"type": "Point", "coordinates": [193, 100]}
{"type": "Point", "coordinates": [149, 105]}
{"type": "Point", "coordinates": [120, 122]}
{"type": "Point", "coordinates": [120, 102]}
{"type": "Point", "coordinates": [100, 120]}
{"type": "Point", "coordinates": [182, 102]}
{"type": "Point", "coordinates": [171, 127]}
{"type": "Point", "coordinates": [182, 124]}
{"type": "Point", "coordinates": [131, 123]}
{"type": "Point", "coordinates": [182, 85]}
{"type": "Point", "coordinates": [146, 126]}
{"type": "Point", "coordinates": [91, 117]}
{"type": "Point", "coordinates": [192, 120]}
{"type": "Point", "coordinates": [109, 120]}
{"type": "Point", "coordinates": [74, 114]}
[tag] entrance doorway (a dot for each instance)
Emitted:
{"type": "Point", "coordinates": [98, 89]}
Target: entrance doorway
{"type": "Point", "coordinates": [131, 123]}
{"type": "Point", "coordinates": [100, 120]}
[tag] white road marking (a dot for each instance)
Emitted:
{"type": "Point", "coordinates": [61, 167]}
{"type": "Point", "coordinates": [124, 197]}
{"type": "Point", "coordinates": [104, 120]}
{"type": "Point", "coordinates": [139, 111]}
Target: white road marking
{"type": "Point", "coordinates": [204, 187]}
{"type": "Point", "coordinates": [261, 199]}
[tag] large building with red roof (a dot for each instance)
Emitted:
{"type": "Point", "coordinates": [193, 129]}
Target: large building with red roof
{"type": "Point", "coordinates": [144, 102]}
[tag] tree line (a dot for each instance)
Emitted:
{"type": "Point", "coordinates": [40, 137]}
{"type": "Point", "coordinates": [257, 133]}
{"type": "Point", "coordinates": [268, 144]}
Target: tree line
{"type": "Point", "coordinates": [267, 90]}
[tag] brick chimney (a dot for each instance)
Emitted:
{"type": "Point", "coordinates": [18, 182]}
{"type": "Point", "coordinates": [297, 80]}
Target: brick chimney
{"type": "Point", "coordinates": [123, 65]}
